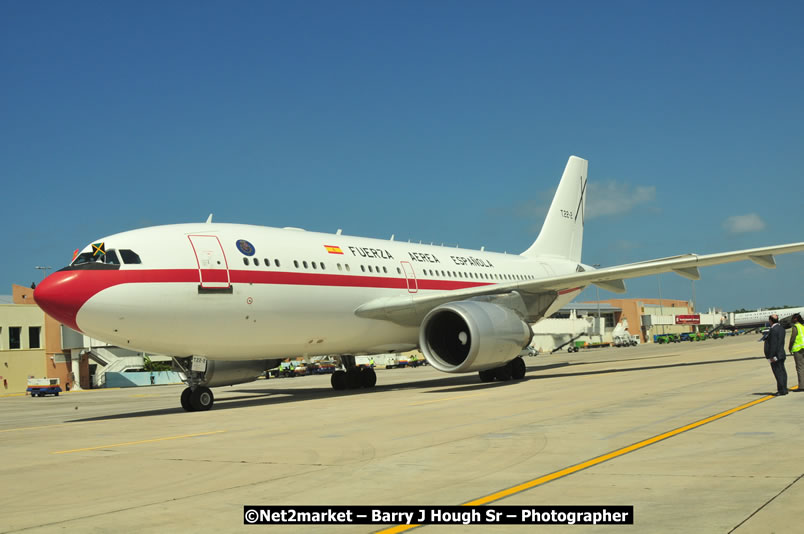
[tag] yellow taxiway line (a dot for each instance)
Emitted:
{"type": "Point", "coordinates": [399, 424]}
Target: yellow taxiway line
{"type": "Point", "coordinates": [140, 442]}
{"type": "Point", "coordinates": [588, 463]}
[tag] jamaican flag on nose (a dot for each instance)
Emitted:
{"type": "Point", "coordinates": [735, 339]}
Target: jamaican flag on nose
{"type": "Point", "coordinates": [98, 250]}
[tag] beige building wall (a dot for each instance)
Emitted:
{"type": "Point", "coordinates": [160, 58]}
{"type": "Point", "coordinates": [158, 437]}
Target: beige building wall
{"type": "Point", "coordinates": [29, 361]}
{"type": "Point", "coordinates": [634, 309]}
{"type": "Point", "coordinates": [18, 364]}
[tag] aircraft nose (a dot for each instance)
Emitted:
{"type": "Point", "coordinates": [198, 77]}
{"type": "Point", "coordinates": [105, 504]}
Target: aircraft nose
{"type": "Point", "coordinates": [61, 295]}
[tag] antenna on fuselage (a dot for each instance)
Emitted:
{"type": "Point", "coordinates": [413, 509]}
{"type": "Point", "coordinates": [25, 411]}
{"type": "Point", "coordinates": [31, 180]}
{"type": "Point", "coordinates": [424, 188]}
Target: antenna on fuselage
{"type": "Point", "coordinates": [209, 219]}
{"type": "Point", "coordinates": [338, 232]}
{"type": "Point", "coordinates": [392, 237]}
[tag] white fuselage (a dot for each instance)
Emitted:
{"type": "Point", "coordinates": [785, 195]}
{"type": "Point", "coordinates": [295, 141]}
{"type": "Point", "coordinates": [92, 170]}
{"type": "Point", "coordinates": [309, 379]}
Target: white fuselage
{"type": "Point", "coordinates": [199, 291]}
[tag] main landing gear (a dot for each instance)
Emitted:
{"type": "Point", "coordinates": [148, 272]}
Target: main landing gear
{"type": "Point", "coordinates": [354, 377]}
{"type": "Point", "coordinates": [513, 370]}
{"type": "Point", "coordinates": [198, 399]}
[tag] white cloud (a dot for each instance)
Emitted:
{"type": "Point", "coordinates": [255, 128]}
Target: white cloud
{"type": "Point", "coordinates": [614, 198]}
{"type": "Point", "coordinates": [741, 224]}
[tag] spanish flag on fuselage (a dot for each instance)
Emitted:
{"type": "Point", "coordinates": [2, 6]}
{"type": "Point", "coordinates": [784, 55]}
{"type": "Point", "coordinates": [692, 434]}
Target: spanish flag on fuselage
{"type": "Point", "coordinates": [332, 249]}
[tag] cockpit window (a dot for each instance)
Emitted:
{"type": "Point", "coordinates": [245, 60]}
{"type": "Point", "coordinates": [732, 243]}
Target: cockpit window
{"type": "Point", "coordinates": [109, 258]}
{"type": "Point", "coordinates": [129, 256]}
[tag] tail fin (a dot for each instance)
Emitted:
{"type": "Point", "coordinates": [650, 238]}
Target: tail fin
{"type": "Point", "coordinates": [562, 232]}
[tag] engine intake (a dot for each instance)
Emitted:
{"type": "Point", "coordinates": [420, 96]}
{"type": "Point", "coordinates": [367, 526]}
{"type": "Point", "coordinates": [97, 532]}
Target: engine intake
{"type": "Point", "coordinates": [467, 336]}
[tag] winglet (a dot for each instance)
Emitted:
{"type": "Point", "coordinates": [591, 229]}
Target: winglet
{"type": "Point", "coordinates": [209, 219]}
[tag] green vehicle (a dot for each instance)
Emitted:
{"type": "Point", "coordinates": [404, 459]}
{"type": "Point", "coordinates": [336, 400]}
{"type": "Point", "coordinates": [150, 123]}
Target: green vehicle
{"type": "Point", "coordinates": [667, 338]}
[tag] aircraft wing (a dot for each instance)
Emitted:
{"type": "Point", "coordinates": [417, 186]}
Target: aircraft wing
{"type": "Point", "coordinates": [532, 297]}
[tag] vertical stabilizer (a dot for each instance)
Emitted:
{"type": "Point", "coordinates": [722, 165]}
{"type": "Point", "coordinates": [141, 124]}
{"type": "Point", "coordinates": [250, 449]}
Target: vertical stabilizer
{"type": "Point", "coordinates": [562, 232]}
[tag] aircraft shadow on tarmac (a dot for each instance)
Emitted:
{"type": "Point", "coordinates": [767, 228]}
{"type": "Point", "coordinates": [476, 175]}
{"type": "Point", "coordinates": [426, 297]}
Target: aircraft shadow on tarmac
{"type": "Point", "coordinates": [450, 384]}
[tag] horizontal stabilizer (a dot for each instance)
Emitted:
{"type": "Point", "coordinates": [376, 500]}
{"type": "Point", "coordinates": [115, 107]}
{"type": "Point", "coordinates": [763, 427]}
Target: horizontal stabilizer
{"type": "Point", "coordinates": [691, 273]}
{"type": "Point", "coordinates": [615, 286]}
{"type": "Point", "coordinates": [766, 261]}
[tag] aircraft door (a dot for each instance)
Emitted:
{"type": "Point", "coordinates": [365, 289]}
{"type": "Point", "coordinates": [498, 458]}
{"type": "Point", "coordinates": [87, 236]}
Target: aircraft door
{"type": "Point", "coordinates": [410, 277]}
{"type": "Point", "coordinates": [212, 267]}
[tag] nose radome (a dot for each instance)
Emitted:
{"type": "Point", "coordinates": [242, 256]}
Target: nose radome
{"type": "Point", "coordinates": [61, 295]}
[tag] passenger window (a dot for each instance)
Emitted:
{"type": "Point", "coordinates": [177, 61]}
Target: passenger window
{"type": "Point", "coordinates": [385, 270]}
{"type": "Point", "coordinates": [348, 269]}
{"type": "Point", "coordinates": [296, 263]}
{"type": "Point", "coordinates": [304, 262]}
{"type": "Point", "coordinates": [363, 268]}
{"type": "Point", "coordinates": [322, 266]}
{"type": "Point", "coordinates": [256, 262]}
{"type": "Point", "coordinates": [370, 269]}
{"type": "Point", "coordinates": [313, 264]}
{"type": "Point", "coordinates": [398, 270]}
{"type": "Point", "coordinates": [266, 262]}
{"type": "Point", "coordinates": [340, 268]}
{"type": "Point", "coordinates": [245, 261]}
{"type": "Point", "coordinates": [276, 262]}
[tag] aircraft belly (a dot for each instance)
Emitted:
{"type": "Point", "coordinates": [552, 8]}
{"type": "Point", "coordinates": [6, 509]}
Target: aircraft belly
{"type": "Point", "coordinates": [253, 321]}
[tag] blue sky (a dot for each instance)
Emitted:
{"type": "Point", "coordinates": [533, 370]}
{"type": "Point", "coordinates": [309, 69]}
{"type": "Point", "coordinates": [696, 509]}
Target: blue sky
{"type": "Point", "coordinates": [437, 121]}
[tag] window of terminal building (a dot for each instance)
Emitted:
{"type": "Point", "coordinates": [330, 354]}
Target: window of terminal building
{"type": "Point", "coordinates": [14, 337]}
{"type": "Point", "coordinates": [34, 341]}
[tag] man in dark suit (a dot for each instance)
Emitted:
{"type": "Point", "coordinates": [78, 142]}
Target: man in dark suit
{"type": "Point", "coordinates": [774, 352]}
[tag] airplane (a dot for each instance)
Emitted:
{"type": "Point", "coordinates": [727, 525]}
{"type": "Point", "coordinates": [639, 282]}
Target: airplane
{"type": "Point", "coordinates": [229, 301]}
{"type": "Point", "coordinates": [759, 318]}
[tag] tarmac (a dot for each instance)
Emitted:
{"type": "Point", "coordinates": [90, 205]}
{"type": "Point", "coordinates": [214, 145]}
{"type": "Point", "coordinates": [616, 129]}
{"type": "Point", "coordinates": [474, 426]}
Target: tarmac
{"type": "Point", "coordinates": [688, 434]}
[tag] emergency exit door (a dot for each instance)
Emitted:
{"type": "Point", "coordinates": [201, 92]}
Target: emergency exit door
{"type": "Point", "coordinates": [213, 271]}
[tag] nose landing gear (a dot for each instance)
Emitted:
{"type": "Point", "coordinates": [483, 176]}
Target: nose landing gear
{"type": "Point", "coordinates": [199, 399]}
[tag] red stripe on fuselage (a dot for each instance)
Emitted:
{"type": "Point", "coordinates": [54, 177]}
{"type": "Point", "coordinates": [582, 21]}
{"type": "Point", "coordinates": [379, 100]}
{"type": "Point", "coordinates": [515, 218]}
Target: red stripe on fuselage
{"type": "Point", "coordinates": [63, 293]}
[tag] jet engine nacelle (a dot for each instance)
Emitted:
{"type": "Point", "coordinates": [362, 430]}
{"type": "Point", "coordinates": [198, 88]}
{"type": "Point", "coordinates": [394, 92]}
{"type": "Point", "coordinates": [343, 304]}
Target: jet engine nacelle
{"type": "Point", "coordinates": [227, 373]}
{"type": "Point", "coordinates": [466, 336]}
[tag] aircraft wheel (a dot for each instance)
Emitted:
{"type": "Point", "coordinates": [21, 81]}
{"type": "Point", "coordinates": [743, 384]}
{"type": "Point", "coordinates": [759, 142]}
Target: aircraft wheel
{"type": "Point", "coordinates": [487, 375]}
{"type": "Point", "coordinates": [185, 400]}
{"type": "Point", "coordinates": [518, 368]}
{"type": "Point", "coordinates": [338, 380]}
{"type": "Point", "coordinates": [368, 378]}
{"type": "Point", "coordinates": [201, 399]}
{"type": "Point", "coordinates": [503, 373]}
{"type": "Point", "coordinates": [353, 378]}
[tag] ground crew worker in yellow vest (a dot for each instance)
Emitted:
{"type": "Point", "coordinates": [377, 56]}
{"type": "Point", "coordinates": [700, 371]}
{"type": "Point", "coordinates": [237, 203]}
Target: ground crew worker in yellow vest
{"type": "Point", "coordinates": [371, 362]}
{"type": "Point", "coordinates": [796, 348]}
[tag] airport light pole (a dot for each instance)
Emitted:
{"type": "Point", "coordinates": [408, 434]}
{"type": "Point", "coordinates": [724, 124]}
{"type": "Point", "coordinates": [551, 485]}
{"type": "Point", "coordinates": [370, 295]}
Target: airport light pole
{"type": "Point", "coordinates": [597, 293]}
{"type": "Point", "coordinates": [44, 270]}
{"type": "Point", "coordinates": [661, 306]}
